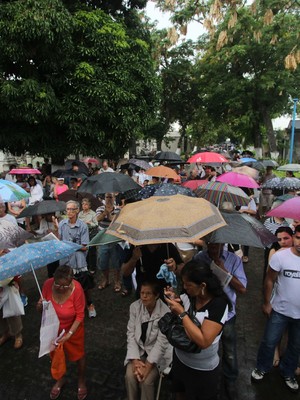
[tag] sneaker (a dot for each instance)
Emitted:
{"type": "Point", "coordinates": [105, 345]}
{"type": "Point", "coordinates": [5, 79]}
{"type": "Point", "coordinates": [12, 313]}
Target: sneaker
{"type": "Point", "coordinates": [257, 375]}
{"type": "Point", "coordinates": [291, 383]}
{"type": "Point", "coordinates": [24, 299]}
{"type": "Point", "coordinates": [92, 311]}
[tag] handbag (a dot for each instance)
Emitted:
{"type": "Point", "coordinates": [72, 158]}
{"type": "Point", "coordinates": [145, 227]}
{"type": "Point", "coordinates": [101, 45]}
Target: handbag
{"type": "Point", "coordinates": [172, 327]}
{"type": "Point", "coordinates": [58, 364]}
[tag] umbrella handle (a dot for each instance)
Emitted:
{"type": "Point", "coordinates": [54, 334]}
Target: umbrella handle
{"type": "Point", "coordinates": [36, 281]}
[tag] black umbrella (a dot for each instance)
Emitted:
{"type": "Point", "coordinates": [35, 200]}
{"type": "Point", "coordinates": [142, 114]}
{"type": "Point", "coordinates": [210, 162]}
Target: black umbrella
{"type": "Point", "coordinates": [69, 173]}
{"type": "Point", "coordinates": [43, 207]}
{"type": "Point", "coordinates": [78, 196]}
{"type": "Point", "coordinates": [108, 182]}
{"type": "Point", "coordinates": [242, 229]}
{"type": "Point", "coordinates": [254, 164]}
{"type": "Point", "coordinates": [167, 156]}
{"type": "Point", "coordinates": [169, 189]}
{"type": "Point", "coordinates": [82, 168]}
{"type": "Point", "coordinates": [139, 163]}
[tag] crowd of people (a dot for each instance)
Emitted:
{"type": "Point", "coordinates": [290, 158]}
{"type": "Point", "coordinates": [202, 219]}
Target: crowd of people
{"type": "Point", "coordinates": [207, 311]}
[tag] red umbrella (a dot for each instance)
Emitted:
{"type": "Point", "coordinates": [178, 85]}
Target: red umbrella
{"type": "Point", "coordinates": [193, 184]}
{"type": "Point", "coordinates": [288, 209]}
{"type": "Point", "coordinates": [236, 179]}
{"type": "Point", "coordinates": [91, 160]}
{"type": "Point", "coordinates": [25, 171]}
{"type": "Point", "coordinates": [207, 157]}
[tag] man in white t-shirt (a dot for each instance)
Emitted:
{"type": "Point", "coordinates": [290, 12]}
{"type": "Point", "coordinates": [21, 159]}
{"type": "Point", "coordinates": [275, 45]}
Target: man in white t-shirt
{"type": "Point", "coordinates": [282, 306]}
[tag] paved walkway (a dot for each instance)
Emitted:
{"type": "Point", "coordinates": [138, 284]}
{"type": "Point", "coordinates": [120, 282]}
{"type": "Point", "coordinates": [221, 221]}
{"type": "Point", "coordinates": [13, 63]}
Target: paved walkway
{"type": "Point", "coordinates": [25, 377]}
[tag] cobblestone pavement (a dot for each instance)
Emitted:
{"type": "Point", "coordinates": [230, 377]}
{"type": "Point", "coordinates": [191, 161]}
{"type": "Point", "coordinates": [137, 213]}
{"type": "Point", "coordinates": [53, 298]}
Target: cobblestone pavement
{"type": "Point", "coordinates": [25, 377]}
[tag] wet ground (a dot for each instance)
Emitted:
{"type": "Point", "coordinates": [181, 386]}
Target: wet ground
{"type": "Point", "coordinates": [25, 377]}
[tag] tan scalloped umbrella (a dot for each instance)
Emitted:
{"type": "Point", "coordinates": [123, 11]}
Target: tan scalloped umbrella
{"type": "Point", "coordinates": [166, 219]}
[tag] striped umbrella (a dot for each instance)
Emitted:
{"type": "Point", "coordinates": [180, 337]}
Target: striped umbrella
{"type": "Point", "coordinates": [218, 192]}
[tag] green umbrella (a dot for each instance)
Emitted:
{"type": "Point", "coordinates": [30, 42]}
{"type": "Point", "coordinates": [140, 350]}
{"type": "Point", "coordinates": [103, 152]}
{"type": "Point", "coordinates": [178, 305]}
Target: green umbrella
{"type": "Point", "coordinates": [103, 238]}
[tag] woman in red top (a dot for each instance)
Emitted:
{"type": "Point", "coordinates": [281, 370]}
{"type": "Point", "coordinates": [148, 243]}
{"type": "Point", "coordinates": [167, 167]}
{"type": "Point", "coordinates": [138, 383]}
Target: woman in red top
{"type": "Point", "coordinates": [68, 300]}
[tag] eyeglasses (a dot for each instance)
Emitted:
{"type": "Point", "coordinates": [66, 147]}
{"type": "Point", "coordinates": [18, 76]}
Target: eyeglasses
{"type": "Point", "coordinates": [72, 209]}
{"type": "Point", "coordinates": [62, 286]}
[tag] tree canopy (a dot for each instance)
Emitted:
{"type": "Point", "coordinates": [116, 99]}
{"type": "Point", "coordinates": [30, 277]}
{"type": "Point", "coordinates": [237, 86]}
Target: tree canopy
{"type": "Point", "coordinates": [73, 78]}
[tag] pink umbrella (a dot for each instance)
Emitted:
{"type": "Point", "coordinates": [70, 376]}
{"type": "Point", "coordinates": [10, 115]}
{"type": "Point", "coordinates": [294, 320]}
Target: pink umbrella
{"type": "Point", "coordinates": [91, 160]}
{"type": "Point", "coordinates": [193, 184]}
{"type": "Point", "coordinates": [207, 157]}
{"type": "Point", "coordinates": [25, 171]}
{"type": "Point", "coordinates": [288, 209]}
{"type": "Point", "coordinates": [236, 179]}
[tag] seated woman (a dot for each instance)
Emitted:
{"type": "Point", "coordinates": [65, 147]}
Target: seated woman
{"type": "Point", "coordinates": [59, 188]}
{"type": "Point", "coordinates": [15, 208]}
{"type": "Point", "coordinates": [147, 348]}
{"type": "Point", "coordinates": [67, 297]}
{"type": "Point", "coordinates": [195, 376]}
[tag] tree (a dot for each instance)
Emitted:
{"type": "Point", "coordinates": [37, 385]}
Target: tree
{"type": "Point", "coordinates": [73, 80]}
{"type": "Point", "coordinates": [244, 72]}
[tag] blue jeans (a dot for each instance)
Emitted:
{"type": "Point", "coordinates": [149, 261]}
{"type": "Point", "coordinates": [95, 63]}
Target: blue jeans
{"type": "Point", "coordinates": [276, 325]}
{"type": "Point", "coordinates": [229, 354]}
{"type": "Point", "coordinates": [108, 256]}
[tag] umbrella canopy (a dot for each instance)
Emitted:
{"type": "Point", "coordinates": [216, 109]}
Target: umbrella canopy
{"type": "Point", "coordinates": [207, 157]}
{"type": "Point", "coordinates": [289, 167]}
{"type": "Point", "coordinates": [247, 171]}
{"type": "Point", "coordinates": [88, 160]}
{"type": "Point", "coordinates": [69, 173]}
{"type": "Point", "coordinates": [103, 238]}
{"type": "Point", "coordinates": [166, 220]}
{"type": "Point", "coordinates": [193, 184]}
{"type": "Point", "coordinates": [282, 184]}
{"type": "Point", "coordinates": [167, 156]}
{"type": "Point", "coordinates": [269, 163]}
{"type": "Point", "coordinates": [218, 192]}
{"type": "Point", "coordinates": [288, 209]}
{"type": "Point", "coordinates": [162, 172]}
{"type": "Point", "coordinates": [169, 189]}
{"type": "Point", "coordinates": [108, 182]}
{"type": "Point", "coordinates": [148, 191]}
{"type": "Point", "coordinates": [13, 234]}
{"type": "Point", "coordinates": [34, 255]}
{"type": "Point", "coordinates": [43, 207]}
{"type": "Point", "coordinates": [78, 196]}
{"type": "Point", "coordinates": [24, 171]}
{"type": "Point", "coordinates": [10, 191]}
{"type": "Point", "coordinates": [247, 159]}
{"type": "Point", "coordinates": [255, 164]}
{"type": "Point", "coordinates": [242, 229]}
{"type": "Point", "coordinates": [139, 163]}
{"type": "Point", "coordinates": [82, 168]}
{"type": "Point", "coordinates": [236, 179]}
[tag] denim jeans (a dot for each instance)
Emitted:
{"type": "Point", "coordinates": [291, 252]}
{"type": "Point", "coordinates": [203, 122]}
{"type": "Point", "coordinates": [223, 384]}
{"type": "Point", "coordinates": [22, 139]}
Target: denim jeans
{"type": "Point", "coordinates": [108, 257]}
{"type": "Point", "coordinates": [229, 355]}
{"type": "Point", "coordinates": [276, 325]}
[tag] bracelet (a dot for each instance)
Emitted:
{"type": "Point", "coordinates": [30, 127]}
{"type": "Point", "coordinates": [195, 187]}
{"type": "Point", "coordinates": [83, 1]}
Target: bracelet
{"type": "Point", "coordinates": [71, 333]}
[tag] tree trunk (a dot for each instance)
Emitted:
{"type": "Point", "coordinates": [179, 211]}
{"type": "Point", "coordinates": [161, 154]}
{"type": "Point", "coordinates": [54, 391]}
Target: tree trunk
{"type": "Point", "coordinates": [270, 131]}
{"type": "Point", "coordinates": [158, 144]}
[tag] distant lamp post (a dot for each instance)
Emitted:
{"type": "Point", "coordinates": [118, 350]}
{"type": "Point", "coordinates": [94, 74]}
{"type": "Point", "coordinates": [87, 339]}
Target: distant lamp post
{"type": "Point", "coordinates": [293, 130]}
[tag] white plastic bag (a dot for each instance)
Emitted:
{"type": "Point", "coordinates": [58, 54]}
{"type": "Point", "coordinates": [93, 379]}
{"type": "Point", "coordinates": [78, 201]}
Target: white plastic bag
{"type": "Point", "coordinates": [13, 307]}
{"type": "Point", "coordinates": [49, 328]}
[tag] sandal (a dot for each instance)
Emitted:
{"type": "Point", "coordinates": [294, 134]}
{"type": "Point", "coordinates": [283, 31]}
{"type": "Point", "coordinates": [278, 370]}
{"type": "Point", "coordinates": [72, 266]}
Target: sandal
{"type": "Point", "coordinates": [55, 392]}
{"type": "Point", "coordinates": [18, 342]}
{"type": "Point", "coordinates": [117, 287]}
{"type": "Point", "coordinates": [103, 285]}
{"type": "Point", "coordinates": [82, 393]}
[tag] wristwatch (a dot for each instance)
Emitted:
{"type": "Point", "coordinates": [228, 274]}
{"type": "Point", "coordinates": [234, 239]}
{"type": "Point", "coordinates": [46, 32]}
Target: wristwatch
{"type": "Point", "coordinates": [182, 315]}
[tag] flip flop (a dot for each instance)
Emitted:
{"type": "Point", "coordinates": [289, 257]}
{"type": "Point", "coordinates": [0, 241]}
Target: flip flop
{"type": "Point", "coordinates": [82, 393]}
{"type": "Point", "coordinates": [117, 288]}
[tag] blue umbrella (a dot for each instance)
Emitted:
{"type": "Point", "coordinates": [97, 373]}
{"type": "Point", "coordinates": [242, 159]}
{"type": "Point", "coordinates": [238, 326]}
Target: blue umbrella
{"type": "Point", "coordinates": [247, 159]}
{"type": "Point", "coordinates": [10, 191]}
{"type": "Point", "coordinates": [148, 191]}
{"type": "Point", "coordinates": [33, 256]}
